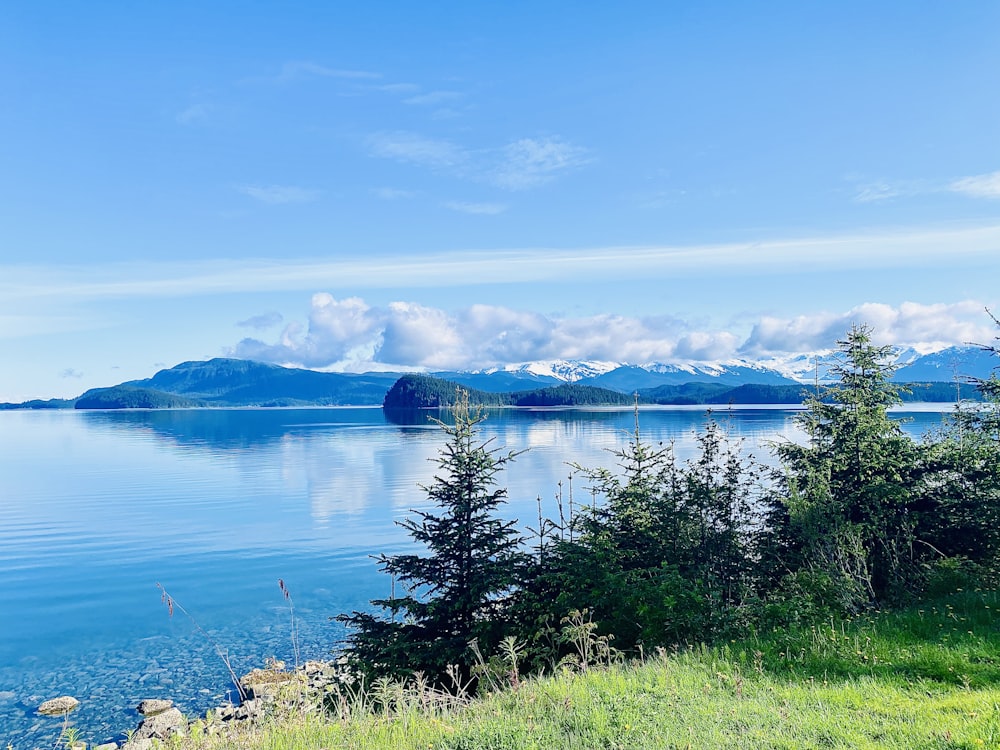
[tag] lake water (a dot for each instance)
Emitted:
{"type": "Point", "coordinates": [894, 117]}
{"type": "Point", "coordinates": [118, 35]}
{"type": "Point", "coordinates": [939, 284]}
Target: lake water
{"type": "Point", "coordinates": [96, 508]}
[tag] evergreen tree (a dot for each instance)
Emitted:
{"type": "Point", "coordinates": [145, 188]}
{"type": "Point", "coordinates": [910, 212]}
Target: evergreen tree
{"type": "Point", "coordinates": [664, 556]}
{"type": "Point", "coordinates": [460, 590]}
{"type": "Point", "coordinates": [842, 512]}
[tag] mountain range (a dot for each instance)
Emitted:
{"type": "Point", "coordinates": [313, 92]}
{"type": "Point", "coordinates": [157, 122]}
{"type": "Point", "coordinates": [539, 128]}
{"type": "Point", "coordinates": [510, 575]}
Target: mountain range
{"type": "Point", "coordinates": [233, 382]}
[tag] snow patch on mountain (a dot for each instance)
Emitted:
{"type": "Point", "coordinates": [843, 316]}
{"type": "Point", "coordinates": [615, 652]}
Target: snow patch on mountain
{"type": "Point", "coordinates": [568, 371]}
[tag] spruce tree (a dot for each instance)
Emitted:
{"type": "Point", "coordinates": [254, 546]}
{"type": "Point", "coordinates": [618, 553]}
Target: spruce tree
{"type": "Point", "coordinates": [842, 514]}
{"type": "Point", "coordinates": [459, 591]}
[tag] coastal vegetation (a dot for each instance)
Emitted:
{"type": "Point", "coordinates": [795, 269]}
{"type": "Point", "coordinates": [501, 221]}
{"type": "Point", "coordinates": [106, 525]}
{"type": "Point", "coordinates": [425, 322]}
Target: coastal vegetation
{"type": "Point", "coordinates": [844, 598]}
{"type": "Point", "coordinates": [857, 521]}
{"type": "Point", "coordinates": [925, 676]}
{"type": "Point", "coordinates": [860, 517]}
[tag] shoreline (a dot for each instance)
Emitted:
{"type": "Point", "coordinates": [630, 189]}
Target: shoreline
{"type": "Point", "coordinates": [303, 689]}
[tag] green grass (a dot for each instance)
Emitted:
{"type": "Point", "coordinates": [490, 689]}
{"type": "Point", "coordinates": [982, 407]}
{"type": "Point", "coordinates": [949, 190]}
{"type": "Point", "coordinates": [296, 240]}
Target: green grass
{"type": "Point", "coordinates": [926, 678]}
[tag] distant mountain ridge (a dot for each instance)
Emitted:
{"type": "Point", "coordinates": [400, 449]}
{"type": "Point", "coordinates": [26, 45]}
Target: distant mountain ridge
{"type": "Point", "coordinates": [224, 382]}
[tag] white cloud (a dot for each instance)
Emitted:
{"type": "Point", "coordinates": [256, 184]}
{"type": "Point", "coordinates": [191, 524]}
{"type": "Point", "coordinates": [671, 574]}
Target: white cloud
{"type": "Point", "coordinates": [978, 186]}
{"type": "Point", "coordinates": [277, 194]}
{"type": "Point", "coordinates": [877, 191]}
{"type": "Point", "coordinates": [975, 186]}
{"type": "Point", "coordinates": [392, 194]}
{"type": "Point", "coordinates": [337, 330]}
{"type": "Point", "coordinates": [432, 98]}
{"type": "Point", "coordinates": [520, 165]}
{"type": "Point", "coordinates": [529, 162]}
{"type": "Point", "coordinates": [298, 69]}
{"type": "Point", "coordinates": [476, 208]}
{"type": "Point", "coordinates": [891, 250]}
{"type": "Point", "coordinates": [398, 88]}
{"type": "Point", "coordinates": [350, 335]}
{"type": "Point", "coordinates": [193, 114]}
{"type": "Point", "coordinates": [922, 326]}
{"type": "Point", "coordinates": [411, 148]}
{"type": "Point", "coordinates": [69, 372]}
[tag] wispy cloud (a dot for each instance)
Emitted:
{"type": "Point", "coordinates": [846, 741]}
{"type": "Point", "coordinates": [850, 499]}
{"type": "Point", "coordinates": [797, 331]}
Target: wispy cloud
{"type": "Point", "coordinates": [889, 249]}
{"type": "Point", "coordinates": [978, 186]}
{"type": "Point", "coordinates": [975, 186]}
{"type": "Point", "coordinates": [262, 322]}
{"type": "Point", "coordinates": [277, 194]}
{"type": "Point", "coordinates": [350, 334]}
{"type": "Point", "coordinates": [392, 194]}
{"type": "Point", "coordinates": [519, 165]}
{"type": "Point", "coordinates": [300, 69]}
{"type": "Point", "coordinates": [412, 148]}
{"type": "Point", "coordinates": [69, 372]}
{"type": "Point", "coordinates": [476, 208]}
{"type": "Point", "coordinates": [398, 88]}
{"type": "Point", "coordinates": [876, 191]}
{"type": "Point", "coordinates": [433, 98]}
{"type": "Point", "coordinates": [193, 114]}
{"type": "Point", "coordinates": [530, 162]}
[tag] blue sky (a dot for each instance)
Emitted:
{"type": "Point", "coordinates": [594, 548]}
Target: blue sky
{"type": "Point", "coordinates": [457, 185]}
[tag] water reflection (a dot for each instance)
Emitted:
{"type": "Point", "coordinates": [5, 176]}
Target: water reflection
{"type": "Point", "coordinates": [95, 507]}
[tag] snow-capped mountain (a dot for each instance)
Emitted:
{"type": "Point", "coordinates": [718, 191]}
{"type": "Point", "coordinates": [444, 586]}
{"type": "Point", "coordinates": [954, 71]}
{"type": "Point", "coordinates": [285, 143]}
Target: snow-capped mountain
{"type": "Point", "coordinates": [563, 370]}
{"type": "Point", "coordinates": [802, 368]}
{"type": "Point", "coordinates": [943, 365]}
{"type": "Point", "coordinates": [948, 364]}
{"type": "Point", "coordinates": [651, 375]}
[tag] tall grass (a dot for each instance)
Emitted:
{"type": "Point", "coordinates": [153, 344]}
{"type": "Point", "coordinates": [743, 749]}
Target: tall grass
{"type": "Point", "coordinates": [924, 678]}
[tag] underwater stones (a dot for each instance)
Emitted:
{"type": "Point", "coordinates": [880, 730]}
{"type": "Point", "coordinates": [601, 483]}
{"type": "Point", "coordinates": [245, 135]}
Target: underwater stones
{"type": "Point", "coordinates": [58, 706]}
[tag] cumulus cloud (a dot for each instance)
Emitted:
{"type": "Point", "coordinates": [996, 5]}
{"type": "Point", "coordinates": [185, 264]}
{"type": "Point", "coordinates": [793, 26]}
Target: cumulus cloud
{"type": "Point", "coordinates": [978, 186]}
{"type": "Point", "coordinates": [926, 327]}
{"type": "Point", "coordinates": [277, 194]}
{"type": "Point", "coordinates": [350, 335]}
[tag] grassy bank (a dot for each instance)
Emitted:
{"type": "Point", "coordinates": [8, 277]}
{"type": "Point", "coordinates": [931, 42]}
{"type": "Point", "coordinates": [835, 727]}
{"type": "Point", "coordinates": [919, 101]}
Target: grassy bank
{"type": "Point", "coordinates": [925, 678]}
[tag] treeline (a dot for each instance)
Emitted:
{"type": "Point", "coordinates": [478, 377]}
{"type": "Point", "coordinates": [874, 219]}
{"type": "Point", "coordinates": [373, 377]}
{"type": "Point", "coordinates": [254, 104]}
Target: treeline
{"type": "Point", "coordinates": [424, 392]}
{"type": "Point", "coordinates": [667, 552]}
{"type": "Point", "coordinates": [757, 393]}
{"type": "Point", "coordinates": [127, 397]}
{"type": "Point", "coordinates": [427, 392]}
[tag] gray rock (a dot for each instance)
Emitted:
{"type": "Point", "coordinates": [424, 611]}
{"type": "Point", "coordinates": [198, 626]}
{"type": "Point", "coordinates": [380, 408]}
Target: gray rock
{"type": "Point", "coordinates": [162, 725]}
{"type": "Point", "coordinates": [107, 746]}
{"type": "Point", "coordinates": [138, 743]}
{"type": "Point", "coordinates": [152, 706]}
{"type": "Point", "coordinates": [225, 712]}
{"type": "Point", "coordinates": [250, 709]}
{"type": "Point", "coordinates": [58, 706]}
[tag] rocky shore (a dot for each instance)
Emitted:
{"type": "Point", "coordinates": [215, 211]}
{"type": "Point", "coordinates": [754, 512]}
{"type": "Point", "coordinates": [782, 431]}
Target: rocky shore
{"type": "Point", "coordinates": [265, 692]}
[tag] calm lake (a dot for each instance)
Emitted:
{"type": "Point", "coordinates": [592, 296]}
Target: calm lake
{"type": "Point", "coordinates": [96, 508]}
